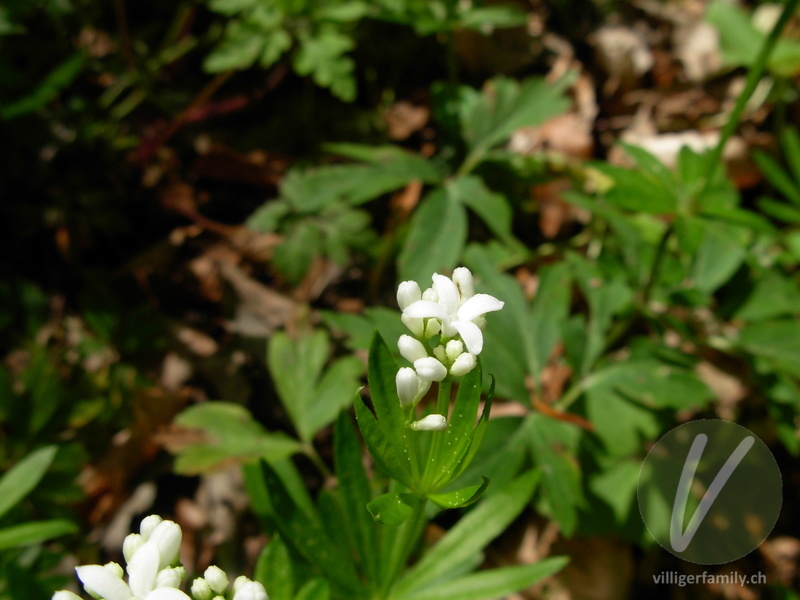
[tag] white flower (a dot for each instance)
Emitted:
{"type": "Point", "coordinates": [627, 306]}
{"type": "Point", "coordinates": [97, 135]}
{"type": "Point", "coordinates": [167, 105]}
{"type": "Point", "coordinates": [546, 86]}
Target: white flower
{"type": "Point", "coordinates": [456, 308]}
{"type": "Point", "coordinates": [463, 364]}
{"type": "Point", "coordinates": [167, 537]}
{"type": "Point", "coordinates": [65, 595]}
{"type": "Point", "coordinates": [430, 423]}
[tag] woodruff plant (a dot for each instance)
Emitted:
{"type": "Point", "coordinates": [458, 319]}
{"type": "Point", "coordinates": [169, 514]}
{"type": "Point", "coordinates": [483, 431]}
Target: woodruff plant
{"type": "Point", "coordinates": [354, 541]}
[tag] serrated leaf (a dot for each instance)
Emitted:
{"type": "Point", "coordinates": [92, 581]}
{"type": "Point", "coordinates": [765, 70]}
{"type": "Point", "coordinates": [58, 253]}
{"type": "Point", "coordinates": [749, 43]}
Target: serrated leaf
{"type": "Point", "coordinates": [437, 232]}
{"type": "Point", "coordinates": [229, 432]}
{"type": "Point", "coordinates": [23, 477]}
{"type": "Point", "coordinates": [322, 57]}
{"type": "Point", "coordinates": [491, 116]}
{"type": "Point", "coordinates": [311, 394]}
{"type": "Point", "coordinates": [553, 446]}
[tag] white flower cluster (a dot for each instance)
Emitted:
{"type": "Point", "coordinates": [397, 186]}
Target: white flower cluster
{"type": "Point", "coordinates": [154, 572]}
{"type": "Point", "coordinates": [452, 310]}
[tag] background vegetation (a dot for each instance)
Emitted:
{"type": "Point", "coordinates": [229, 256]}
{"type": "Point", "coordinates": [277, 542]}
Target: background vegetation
{"type": "Point", "coordinates": [207, 206]}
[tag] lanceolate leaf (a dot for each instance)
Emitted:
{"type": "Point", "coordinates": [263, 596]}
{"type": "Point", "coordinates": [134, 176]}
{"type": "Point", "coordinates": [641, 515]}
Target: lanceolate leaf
{"type": "Point", "coordinates": [491, 584]}
{"type": "Point", "coordinates": [470, 535]}
{"type": "Point", "coordinates": [20, 480]}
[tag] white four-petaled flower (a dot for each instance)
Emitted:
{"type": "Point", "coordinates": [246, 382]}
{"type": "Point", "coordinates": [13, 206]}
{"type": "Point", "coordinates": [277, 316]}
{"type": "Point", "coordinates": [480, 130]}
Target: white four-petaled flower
{"type": "Point", "coordinates": [454, 306]}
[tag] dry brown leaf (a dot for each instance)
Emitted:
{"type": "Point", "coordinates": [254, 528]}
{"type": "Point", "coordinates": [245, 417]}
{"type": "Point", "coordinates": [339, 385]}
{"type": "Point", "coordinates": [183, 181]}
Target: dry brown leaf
{"type": "Point", "coordinates": [403, 119]}
{"type": "Point", "coordinates": [261, 309]}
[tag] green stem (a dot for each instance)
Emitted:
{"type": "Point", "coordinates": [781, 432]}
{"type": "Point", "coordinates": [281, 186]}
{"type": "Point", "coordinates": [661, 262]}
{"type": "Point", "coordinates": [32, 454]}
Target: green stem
{"type": "Point", "coordinates": [405, 538]}
{"type": "Point", "coordinates": [442, 408]}
{"type": "Point", "coordinates": [753, 78]}
{"type": "Point", "coordinates": [315, 458]}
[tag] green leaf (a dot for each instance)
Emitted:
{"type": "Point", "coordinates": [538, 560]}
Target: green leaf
{"type": "Point", "coordinates": [23, 477]}
{"type": "Point", "coordinates": [315, 589]}
{"type": "Point", "coordinates": [554, 446]}
{"type": "Point", "coordinates": [790, 143]}
{"type": "Point", "coordinates": [355, 494]}
{"type": "Point", "coordinates": [311, 395]}
{"type": "Point", "coordinates": [323, 57]}
{"type": "Point", "coordinates": [274, 570]}
{"type": "Point", "coordinates": [487, 17]}
{"type": "Point", "coordinates": [616, 485]}
{"type": "Point", "coordinates": [304, 531]}
{"type": "Point", "coordinates": [458, 436]}
{"type": "Point", "coordinates": [654, 384]}
{"type": "Point", "coordinates": [621, 424]}
{"type": "Point", "coordinates": [491, 116]}
{"type": "Point", "coordinates": [470, 535]}
{"type": "Point", "coordinates": [437, 232]}
{"type": "Point", "coordinates": [391, 509]}
{"type": "Point", "coordinates": [778, 341]}
{"type": "Point", "coordinates": [491, 207]}
{"type": "Point", "coordinates": [294, 255]}
{"type": "Point", "coordinates": [229, 432]}
{"type": "Point", "coordinates": [774, 295]}
{"type": "Point", "coordinates": [639, 190]}
{"type": "Point", "coordinates": [28, 534]}
{"type": "Point", "coordinates": [240, 47]}
{"type": "Point", "coordinates": [47, 89]}
{"type": "Point", "coordinates": [491, 584]}
{"type": "Point", "coordinates": [388, 169]}
{"type": "Point", "coordinates": [460, 498]}
{"type": "Point", "coordinates": [722, 250]}
{"type": "Point", "coordinates": [777, 176]}
{"type": "Point", "coordinates": [386, 436]}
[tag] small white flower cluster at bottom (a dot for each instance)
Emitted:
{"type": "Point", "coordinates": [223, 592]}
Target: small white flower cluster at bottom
{"type": "Point", "coordinates": [154, 572]}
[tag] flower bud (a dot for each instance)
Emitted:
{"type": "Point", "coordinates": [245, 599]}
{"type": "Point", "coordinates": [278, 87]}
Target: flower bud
{"type": "Point", "coordinates": [430, 423]}
{"type": "Point", "coordinates": [217, 579]}
{"type": "Point", "coordinates": [465, 283]}
{"type": "Point", "coordinates": [170, 577]}
{"type": "Point", "coordinates": [411, 348]}
{"type": "Point", "coordinates": [148, 525]}
{"type": "Point", "coordinates": [130, 545]}
{"type": "Point", "coordinates": [463, 364]}
{"type": "Point", "coordinates": [407, 384]}
{"type": "Point", "coordinates": [440, 353]}
{"type": "Point", "coordinates": [453, 349]}
{"type": "Point", "coordinates": [167, 536]}
{"type": "Point", "coordinates": [430, 369]}
{"type": "Point", "coordinates": [251, 590]}
{"type": "Point", "coordinates": [433, 327]}
{"type": "Point", "coordinates": [407, 293]}
{"type": "Point", "coordinates": [65, 595]}
{"type": "Point", "coordinates": [415, 325]}
{"type": "Point", "coordinates": [201, 590]}
{"type": "Point", "coordinates": [430, 294]}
